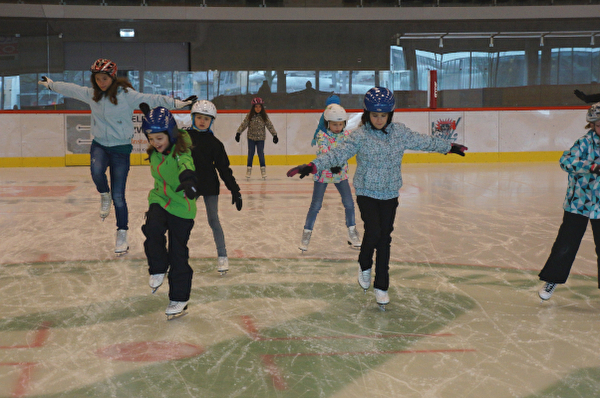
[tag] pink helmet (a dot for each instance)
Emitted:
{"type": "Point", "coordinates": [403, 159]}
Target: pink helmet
{"type": "Point", "coordinates": [257, 100]}
{"type": "Point", "coordinates": [103, 65]}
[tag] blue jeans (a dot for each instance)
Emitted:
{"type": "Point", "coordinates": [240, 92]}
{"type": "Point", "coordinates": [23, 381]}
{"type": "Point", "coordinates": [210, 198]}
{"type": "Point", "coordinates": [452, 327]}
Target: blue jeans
{"type": "Point", "coordinates": [256, 145]}
{"type": "Point", "coordinates": [101, 159]}
{"type": "Point", "coordinates": [212, 214]}
{"type": "Point", "coordinates": [343, 188]}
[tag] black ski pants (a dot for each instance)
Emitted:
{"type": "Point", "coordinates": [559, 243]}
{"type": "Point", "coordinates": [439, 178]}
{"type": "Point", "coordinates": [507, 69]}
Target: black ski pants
{"type": "Point", "coordinates": [174, 259]}
{"type": "Point", "coordinates": [378, 216]}
{"type": "Point", "coordinates": [566, 245]}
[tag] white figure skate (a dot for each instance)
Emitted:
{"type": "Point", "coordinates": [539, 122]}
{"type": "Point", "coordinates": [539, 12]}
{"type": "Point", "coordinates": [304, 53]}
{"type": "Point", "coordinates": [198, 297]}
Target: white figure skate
{"type": "Point", "coordinates": [223, 265]}
{"type": "Point", "coordinates": [382, 298]}
{"type": "Point", "coordinates": [105, 200]}
{"type": "Point", "coordinates": [176, 309]}
{"type": "Point", "coordinates": [121, 245]}
{"type": "Point", "coordinates": [364, 278]}
{"type": "Point", "coordinates": [305, 240]}
{"type": "Point", "coordinates": [354, 241]}
{"type": "Point", "coordinates": [546, 292]}
{"type": "Point", "coordinates": [156, 281]}
{"type": "Point", "coordinates": [248, 172]}
{"type": "Point", "coordinates": [263, 172]}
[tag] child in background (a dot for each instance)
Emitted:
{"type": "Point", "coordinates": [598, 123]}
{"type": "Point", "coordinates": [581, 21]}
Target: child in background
{"type": "Point", "coordinates": [210, 157]}
{"type": "Point", "coordinates": [581, 205]}
{"type": "Point", "coordinates": [112, 101]}
{"type": "Point", "coordinates": [256, 121]}
{"type": "Point", "coordinates": [321, 127]}
{"type": "Point", "coordinates": [335, 123]}
{"type": "Point", "coordinates": [170, 211]}
{"type": "Point", "coordinates": [379, 146]}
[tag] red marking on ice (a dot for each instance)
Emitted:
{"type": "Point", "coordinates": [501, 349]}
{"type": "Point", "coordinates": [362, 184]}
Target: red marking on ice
{"type": "Point", "coordinates": [250, 327]}
{"type": "Point", "coordinates": [22, 385]}
{"type": "Point", "coordinates": [149, 351]}
{"type": "Point", "coordinates": [41, 335]}
{"type": "Point", "coordinates": [43, 258]}
{"type": "Point", "coordinates": [11, 191]}
{"type": "Point", "coordinates": [239, 253]}
{"type": "Point", "coordinates": [272, 369]}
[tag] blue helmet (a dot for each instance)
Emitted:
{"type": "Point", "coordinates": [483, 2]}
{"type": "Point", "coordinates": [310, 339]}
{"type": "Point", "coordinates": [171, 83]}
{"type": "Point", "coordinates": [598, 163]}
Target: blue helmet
{"type": "Point", "coordinates": [160, 120]}
{"type": "Point", "coordinates": [379, 99]}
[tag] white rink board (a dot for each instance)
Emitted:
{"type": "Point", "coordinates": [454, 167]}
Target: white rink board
{"type": "Point", "coordinates": [45, 134]}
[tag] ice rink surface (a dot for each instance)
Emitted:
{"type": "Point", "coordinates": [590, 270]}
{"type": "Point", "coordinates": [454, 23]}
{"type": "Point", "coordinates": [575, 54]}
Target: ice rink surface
{"type": "Point", "coordinates": [464, 319]}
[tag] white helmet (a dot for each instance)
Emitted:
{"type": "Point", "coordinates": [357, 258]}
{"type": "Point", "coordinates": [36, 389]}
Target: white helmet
{"type": "Point", "coordinates": [593, 114]}
{"type": "Point", "coordinates": [335, 113]}
{"type": "Point", "coordinates": [204, 107]}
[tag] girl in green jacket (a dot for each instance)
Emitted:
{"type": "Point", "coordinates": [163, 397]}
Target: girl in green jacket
{"type": "Point", "coordinates": [172, 207]}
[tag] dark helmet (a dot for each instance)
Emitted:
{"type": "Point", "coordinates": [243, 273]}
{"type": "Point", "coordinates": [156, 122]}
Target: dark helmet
{"type": "Point", "coordinates": [160, 120]}
{"type": "Point", "coordinates": [379, 99]}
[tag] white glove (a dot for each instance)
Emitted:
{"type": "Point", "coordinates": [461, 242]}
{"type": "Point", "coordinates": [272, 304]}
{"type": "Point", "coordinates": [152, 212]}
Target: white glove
{"type": "Point", "coordinates": [189, 101]}
{"type": "Point", "coordinates": [46, 82]}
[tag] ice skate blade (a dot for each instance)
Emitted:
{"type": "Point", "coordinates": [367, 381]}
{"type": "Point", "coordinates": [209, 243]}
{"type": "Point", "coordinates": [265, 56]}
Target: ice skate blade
{"type": "Point", "coordinates": [170, 317]}
{"type": "Point", "coordinates": [120, 254]}
{"type": "Point", "coordinates": [382, 307]}
{"type": "Point", "coordinates": [154, 289]}
{"type": "Point", "coordinates": [223, 273]}
{"type": "Point", "coordinates": [352, 246]}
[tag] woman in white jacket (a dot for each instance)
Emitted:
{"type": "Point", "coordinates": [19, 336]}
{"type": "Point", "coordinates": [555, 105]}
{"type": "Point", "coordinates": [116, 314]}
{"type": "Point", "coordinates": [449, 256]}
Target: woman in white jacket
{"type": "Point", "coordinates": [112, 101]}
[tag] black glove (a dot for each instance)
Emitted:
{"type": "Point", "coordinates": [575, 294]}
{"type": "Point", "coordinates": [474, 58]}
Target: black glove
{"type": "Point", "coordinates": [236, 199]}
{"type": "Point", "coordinates": [303, 169]}
{"type": "Point", "coordinates": [580, 95]}
{"type": "Point", "coordinates": [336, 169]}
{"type": "Point", "coordinates": [237, 137]}
{"type": "Point", "coordinates": [192, 98]}
{"type": "Point", "coordinates": [458, 149]}
{"type": "Point", "coordinates": [145, 108]}
{"type": "Point", "coordinates": [275, 139]}
{"type": "Point", "coordinates": [188, 180]}
{"type": "Point", "coordinates": [595, 168]}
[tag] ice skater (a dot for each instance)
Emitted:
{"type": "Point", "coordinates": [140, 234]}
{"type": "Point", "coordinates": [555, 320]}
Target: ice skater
{"type": "Point", "coordinates": [210, 157]}
{"type": "Point", "coordinates": [112, 101]}
{"type": "Point", "coordinates": [581, 205]}
{"type": "Point", "coordinates": [379, 146]}
{"type": "Point", "coordinates": [172, 207]}
{"type": "Point", "coordinates": [321, 127]}
{"type": "Point", "coordinates": [256, 121]}
{"type": "Point", "coordinates": [335, 131]}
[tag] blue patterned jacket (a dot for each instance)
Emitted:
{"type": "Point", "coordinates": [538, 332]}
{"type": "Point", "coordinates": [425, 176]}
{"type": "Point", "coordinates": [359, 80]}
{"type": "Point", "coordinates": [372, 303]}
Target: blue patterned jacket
{"type": "Point", "coordinates": [583, 191]}
{"type": "Point", "coordinates": [379, 157]}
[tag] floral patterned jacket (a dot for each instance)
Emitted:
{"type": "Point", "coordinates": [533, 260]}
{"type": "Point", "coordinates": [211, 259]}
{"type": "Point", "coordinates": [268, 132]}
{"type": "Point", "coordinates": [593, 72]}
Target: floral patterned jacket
{"type": "Point", "coordinates": [325, 142]}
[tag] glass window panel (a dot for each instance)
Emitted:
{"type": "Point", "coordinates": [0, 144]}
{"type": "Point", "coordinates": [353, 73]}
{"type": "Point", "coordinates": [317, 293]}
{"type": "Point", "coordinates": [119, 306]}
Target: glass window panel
{"type": "Point", "coordinates": [511, 69]}
{"type": "Point", "coordinates": [336, 81]}
{"type": "Point", "coordinates": [427, 61]}
{"type": "Point", "coordinates": [299, 80]}
{"type": "Point", "coordinates": [157, 83]}
{"type": "Point", "coordinates": [10, 92]}
{"type": "Point", "coordinates": [257, 78]}
{"type": "Point", "coordinates": [400, 77]}
{"type": "Point", "coordinates": [362, 81]}
{"type": "Point", "coordinates": [232, 83]}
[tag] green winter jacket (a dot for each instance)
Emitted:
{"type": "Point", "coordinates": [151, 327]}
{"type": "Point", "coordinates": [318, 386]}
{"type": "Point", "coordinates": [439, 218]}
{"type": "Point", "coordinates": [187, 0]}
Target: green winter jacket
{"type": "Point", "coordinates": [165, 168]}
